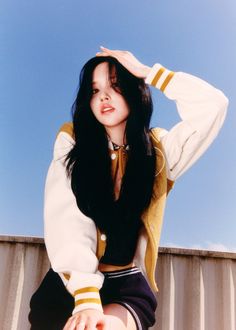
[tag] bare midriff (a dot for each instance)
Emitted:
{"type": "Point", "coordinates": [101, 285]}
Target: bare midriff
{"type": "Point", "coordinates": [108, 268]}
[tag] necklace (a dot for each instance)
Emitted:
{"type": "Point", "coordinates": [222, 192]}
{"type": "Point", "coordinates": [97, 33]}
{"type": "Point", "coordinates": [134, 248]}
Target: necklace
{"type": "Point", "coordinates": [117, 147]}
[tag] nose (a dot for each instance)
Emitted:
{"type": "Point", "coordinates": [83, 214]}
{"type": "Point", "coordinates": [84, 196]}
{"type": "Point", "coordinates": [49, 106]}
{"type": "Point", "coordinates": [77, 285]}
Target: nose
{"type": "Point", "coordinates": [104, 96]}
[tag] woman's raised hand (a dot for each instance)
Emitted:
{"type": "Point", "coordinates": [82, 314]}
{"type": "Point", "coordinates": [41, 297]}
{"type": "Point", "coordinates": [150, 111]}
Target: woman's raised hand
{"type": "Point", "coordinates": [88, 319]}
{"type": "Point", "coordinates": [128, 60]}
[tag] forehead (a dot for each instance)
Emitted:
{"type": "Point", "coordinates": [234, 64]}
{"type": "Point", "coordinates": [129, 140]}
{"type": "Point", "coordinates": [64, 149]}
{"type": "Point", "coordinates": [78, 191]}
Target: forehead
{"type": "Point", "coordinates": [101, 72]}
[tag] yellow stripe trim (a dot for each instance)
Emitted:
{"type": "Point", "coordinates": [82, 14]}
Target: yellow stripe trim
{"type": "Point", "coordinates": [87, 289]}
{"type": "Point", "coordinates": [68, 128]}
{"type": "Point", "coordinates": [88, 300]}
{"type": "Point", "coordinates": [166, 81]}
{"type": "Point", "coordinates": [157, 76]}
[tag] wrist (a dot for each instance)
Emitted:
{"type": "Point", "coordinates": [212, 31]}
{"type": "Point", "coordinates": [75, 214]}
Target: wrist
{"type": "Point", "coordinates": [87, 298]}
{"type": "Point", "coordinates": [159, 77]}
{"type": "Point", "coordinates": [145, 71]}
{"type": "Point", "coordinates": [88, 311]}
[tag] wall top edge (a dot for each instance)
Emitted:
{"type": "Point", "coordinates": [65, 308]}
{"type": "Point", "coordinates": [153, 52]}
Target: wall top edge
{"type": "Point", "coordinates": [197, 252]}
{"type": "Point", "coordinates": [162, 250]}
{"type": "Point", "coordinates": [21, 239]}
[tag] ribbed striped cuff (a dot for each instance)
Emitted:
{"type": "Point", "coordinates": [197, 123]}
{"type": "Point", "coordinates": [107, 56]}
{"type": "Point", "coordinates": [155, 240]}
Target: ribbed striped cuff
{"type": "Point", "coordinates": [159, 77]}
{"type": "Point", "coordinates": [87, 297]}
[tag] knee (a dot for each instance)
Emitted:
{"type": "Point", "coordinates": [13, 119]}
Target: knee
{"type": "Point", "coordinates": [118, 317]}
{"type": "Point", "coordinates": [114, 323]}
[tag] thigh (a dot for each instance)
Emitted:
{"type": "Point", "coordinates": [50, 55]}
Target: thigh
{"type": "Point", "coordinates": [131, 290]}
{"type": "Point", "coordinates": [119, 318]}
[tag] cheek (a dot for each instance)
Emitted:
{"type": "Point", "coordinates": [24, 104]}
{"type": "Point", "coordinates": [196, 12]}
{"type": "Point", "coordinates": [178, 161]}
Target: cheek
{"type": "Point", "coordinates": [125, 107]}
{"type": "Point", "coordinates": [121, 102]}
{"type": "Point", "coordinates": [93, 105]}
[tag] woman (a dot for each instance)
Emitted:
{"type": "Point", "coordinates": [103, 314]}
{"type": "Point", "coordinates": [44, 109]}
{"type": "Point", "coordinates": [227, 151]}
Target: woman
{"type": "Point", "coordinates": [106, 190]}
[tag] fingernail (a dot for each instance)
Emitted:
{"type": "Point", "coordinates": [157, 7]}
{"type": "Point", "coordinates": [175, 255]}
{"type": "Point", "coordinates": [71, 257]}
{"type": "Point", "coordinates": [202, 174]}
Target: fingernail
{"type": "Point", "coordinates": [102, 47]}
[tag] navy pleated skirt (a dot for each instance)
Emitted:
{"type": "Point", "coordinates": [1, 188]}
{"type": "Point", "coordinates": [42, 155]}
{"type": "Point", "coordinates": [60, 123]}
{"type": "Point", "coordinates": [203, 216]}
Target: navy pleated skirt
{"type": "Point", "coordinates": [51, 305]}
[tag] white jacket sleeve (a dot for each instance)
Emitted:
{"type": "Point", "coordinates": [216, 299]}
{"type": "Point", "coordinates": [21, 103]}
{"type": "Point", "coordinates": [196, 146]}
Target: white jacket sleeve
{"type": "Point", "coordinates": [202, 109]}
{"type": "Point", "coordinates": [70, 236]}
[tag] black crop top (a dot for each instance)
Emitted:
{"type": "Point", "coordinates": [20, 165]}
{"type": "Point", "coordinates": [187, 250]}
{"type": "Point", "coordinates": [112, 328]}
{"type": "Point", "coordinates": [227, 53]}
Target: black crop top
{"type": "Point", "coordinates": [120, 247]}
{"type": "Point", "coordinates": [121, 243]}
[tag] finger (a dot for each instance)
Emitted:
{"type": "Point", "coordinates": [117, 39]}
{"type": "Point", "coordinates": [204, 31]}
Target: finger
{"type": "Point", "coordinates": [68, 324]}
{"type": "Point", "coordinates": [104, 48]}
{"type": "Point", "coordinates": [111, 51]}
{"type": "Point", "coordinates": [106, 325]}
{"type": "Point", "coordinates": [115, 51]}
{"type": "Point", "coordinates": [81, 325]}
{"type": "Point", "coordinates": [91, 326]}
{"type": "Point", "coordinates": [102, 54]}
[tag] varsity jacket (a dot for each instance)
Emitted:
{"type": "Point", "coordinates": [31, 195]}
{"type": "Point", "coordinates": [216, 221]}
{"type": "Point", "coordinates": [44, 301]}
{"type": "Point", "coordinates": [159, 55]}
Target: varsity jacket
{"type": "Point", "coordinates": [74, 244]}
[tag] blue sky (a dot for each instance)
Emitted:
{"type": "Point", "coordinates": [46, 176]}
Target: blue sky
{"type": "Point", "coordinates": [43, 46]}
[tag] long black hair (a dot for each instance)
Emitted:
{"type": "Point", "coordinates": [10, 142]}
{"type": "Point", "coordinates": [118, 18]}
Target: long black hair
{"type": "Point", "coordinates": [89, 162]}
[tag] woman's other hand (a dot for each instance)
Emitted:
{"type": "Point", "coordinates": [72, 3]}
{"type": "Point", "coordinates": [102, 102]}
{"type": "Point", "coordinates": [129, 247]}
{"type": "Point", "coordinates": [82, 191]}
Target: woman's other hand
{"type": "Point", "coordinates": [87, 319]}
{"type": "Point", "coordinates": [128, 60]}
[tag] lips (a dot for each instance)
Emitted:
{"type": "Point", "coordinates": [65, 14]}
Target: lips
{"type": "Point", "coordinates": [106, 108]}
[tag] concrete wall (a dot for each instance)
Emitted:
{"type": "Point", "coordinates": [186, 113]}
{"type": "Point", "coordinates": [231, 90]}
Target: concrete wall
{"type": "Point", "coordinates": [197, 289]}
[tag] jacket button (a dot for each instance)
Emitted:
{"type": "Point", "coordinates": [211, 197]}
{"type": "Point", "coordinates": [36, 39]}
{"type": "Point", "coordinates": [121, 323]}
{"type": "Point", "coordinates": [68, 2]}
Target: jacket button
{"type": "Point", "coordinates": [103, 237]}
{"type": "Point", "coordinates": [113, 156]}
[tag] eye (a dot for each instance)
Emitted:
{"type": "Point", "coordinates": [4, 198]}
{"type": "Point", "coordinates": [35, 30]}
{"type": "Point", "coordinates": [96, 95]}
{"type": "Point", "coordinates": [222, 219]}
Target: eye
{"type": "Point", "coordinates": [94, 90]}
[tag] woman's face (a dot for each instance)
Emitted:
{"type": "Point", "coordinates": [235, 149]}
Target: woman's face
{"type": "Point", "coordinates": [108, 105]}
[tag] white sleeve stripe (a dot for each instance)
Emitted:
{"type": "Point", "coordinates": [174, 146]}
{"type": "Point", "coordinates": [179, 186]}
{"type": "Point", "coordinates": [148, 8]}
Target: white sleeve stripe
{"type": "Point", "coordinates": [162, 79]}
{"type": "Point", "coordinates": [159, 76]}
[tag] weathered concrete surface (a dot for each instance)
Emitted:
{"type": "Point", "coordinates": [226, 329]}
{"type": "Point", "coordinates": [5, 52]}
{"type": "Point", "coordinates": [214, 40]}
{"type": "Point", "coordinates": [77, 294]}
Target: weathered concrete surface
{"type": "Point", "coordinates": [197, 288]}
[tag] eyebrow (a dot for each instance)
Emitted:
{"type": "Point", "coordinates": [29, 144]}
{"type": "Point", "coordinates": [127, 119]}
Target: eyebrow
{"type": "Point", "coordinates": [95, 82]}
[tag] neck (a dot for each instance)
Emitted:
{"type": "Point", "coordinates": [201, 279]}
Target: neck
{"type": "Point", "coordinates": [117, 135]}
